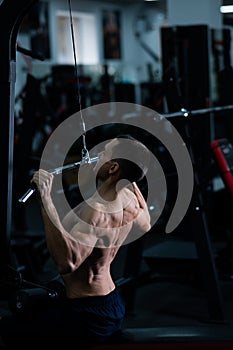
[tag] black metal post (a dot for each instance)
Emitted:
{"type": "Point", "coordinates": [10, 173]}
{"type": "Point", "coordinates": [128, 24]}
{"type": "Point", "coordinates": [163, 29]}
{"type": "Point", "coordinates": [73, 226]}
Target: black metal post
{"type": "Point", "coordinates": [201, 235]}
{"type": "Point", "coordinates": [11, 15]}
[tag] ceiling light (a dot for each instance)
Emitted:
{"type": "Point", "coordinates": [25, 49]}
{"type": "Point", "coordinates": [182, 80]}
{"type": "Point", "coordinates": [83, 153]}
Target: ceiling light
{"type": "Point", "coordinates": [226, 9]}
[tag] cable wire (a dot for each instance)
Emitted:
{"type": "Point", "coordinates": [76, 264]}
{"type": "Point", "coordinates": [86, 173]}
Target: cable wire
{"type": "Point", "coordinates": [85, 153]}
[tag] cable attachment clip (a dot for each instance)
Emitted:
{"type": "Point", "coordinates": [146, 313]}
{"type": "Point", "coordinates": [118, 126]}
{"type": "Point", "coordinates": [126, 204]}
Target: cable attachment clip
{"type": "Point", "coordinates": [85, 156]}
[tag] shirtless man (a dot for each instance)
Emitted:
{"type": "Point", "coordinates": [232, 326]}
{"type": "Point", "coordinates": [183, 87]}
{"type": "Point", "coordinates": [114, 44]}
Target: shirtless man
{"type": "Point", "coordinates": [87, 240]}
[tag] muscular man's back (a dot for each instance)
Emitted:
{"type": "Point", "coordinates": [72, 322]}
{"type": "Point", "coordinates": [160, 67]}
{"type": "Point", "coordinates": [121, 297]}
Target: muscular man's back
{"type": "Point", "coordinates": [93, 276]}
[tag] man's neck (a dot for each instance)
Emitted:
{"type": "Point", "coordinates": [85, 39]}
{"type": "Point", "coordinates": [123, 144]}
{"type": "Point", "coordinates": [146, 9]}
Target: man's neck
{"type": "Point", "coordinates": [107, 190]}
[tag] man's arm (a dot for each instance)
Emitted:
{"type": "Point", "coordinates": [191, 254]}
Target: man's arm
{"type": "Point", "coordinates": [143, 219]}
{"type": "Point", "coordinates": [67, 252]}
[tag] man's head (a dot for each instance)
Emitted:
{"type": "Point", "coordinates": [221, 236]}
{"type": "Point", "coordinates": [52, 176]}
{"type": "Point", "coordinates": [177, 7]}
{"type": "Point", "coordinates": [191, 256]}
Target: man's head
{"type": "Point", "coordinates": [125, 158]}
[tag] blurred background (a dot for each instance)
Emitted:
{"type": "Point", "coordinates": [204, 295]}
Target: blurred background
{"type": "Point", "coordinates": [172, 56]}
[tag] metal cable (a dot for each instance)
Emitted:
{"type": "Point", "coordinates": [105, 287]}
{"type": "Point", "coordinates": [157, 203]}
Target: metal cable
{"type": "Point", "coordinates": [85, 153]}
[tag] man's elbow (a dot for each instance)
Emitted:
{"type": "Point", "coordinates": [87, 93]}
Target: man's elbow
{"type": "Point", "coordinates": [147, 227]}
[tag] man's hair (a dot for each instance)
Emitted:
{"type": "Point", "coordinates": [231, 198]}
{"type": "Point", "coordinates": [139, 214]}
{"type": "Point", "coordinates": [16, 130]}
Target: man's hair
{"type": "Point", "coordinates": [134, 157]}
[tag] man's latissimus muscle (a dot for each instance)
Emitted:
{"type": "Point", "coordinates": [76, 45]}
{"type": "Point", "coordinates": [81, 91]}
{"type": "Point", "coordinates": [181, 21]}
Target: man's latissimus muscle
{"type": "Point", "coordinates": [111, 229]}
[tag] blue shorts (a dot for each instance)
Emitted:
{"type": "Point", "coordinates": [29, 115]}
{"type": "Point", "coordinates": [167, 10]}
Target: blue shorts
{"type": "Point", "coordinates": [89, 319]}
{"type": "Point", "coordinates": [100, 315]}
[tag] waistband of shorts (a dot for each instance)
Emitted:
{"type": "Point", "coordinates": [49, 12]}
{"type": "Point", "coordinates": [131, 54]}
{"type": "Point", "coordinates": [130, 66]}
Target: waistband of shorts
{"type": "Point", "coordinates": [94, 300]}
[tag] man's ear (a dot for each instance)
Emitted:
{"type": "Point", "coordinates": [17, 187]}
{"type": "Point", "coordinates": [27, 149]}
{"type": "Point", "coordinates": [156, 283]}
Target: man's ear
{"type": "Point", "coordinates": [114, 167]}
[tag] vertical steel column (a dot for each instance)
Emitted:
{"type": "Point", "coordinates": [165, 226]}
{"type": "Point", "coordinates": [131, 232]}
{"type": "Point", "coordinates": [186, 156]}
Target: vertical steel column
{"type": "Point", "coordinates": [11, 15]}
{"type": "Point", "coordinates": [201, 235]}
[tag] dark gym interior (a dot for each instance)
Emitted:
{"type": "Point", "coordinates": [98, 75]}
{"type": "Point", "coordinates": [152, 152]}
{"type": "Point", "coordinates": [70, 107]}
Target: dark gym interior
{"type": "Point", "coordinates": [178, 286]}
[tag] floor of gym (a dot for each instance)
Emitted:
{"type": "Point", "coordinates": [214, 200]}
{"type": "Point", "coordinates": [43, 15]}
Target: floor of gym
{"type": "Point", "coordinates": [167, 299]}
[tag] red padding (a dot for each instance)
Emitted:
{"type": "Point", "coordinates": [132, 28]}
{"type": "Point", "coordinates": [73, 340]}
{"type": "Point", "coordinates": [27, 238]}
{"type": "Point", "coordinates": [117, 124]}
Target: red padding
{"type": "Point", "coordinates": [220, 159]}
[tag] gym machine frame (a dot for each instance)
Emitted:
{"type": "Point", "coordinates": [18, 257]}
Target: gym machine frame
{"type": "Point", "coordinates": [14, 12]}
